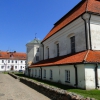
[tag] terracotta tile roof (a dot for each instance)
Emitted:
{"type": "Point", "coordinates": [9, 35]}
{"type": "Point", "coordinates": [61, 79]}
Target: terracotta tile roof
{"type": "Point", "coordinates": [88, 56]}
{"type": "Point", "coordinates": [12, 55]}
{"type": "Point", "coordinates": [82, 7]}
{"type": "Point", "coordinates": [93, 56]}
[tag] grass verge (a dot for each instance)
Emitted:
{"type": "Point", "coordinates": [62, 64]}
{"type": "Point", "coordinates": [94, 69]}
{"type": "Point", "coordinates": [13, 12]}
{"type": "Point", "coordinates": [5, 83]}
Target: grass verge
{"type": "Point", "coordinates": [86, 93]}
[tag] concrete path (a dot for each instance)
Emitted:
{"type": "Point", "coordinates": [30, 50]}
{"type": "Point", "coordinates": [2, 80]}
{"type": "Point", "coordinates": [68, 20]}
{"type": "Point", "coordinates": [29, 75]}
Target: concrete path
{"type": "Point", "coordinates": [12, 89]}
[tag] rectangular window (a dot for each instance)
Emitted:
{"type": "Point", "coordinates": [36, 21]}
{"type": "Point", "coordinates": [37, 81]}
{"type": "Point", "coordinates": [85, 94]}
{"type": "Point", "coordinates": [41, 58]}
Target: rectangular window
{"type": "Point", "coordinates": [12, 61]}
{"type": "Point", "coordinates": [16, 61]}
{"type": "Point", "coordinates": [39, 72]}
{"type": "Point", "coordinates": [21, 61]}
{"type": "Point", "coordinates": [8, 61]}
{"type": "Point", "coordinates": [48, 52]}
{"type": "Point", "coordinates": [37, 58]}
{"type": "Point", "coordinates": [37, 49]}
{"type": "Point", "coordinates": [20, 67]}
{"type": "Point", "coordinates": [2, 67]}
{"type": "Point", "coordinates": [35, 72]}
{"type": "Point", "coordinates": [72, 44]}
{"type": "Point", "coordinates": [15, 67]}
{"type": "Point", "coordinates": [2, 61]}
{"type": "Point", "coordinates": [57, 50]}
{"type": "Point", "coordinates": [67, 76]}
{"type": "Point", "coordinates": [44, 73]}
{"type": "Point", "coordinates": [51, 74]}
{"type": "Point", "coordinates": [8, 67]}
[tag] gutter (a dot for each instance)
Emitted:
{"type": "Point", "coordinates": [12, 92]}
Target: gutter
{"type": "Point", "coordinates": [86, 18]}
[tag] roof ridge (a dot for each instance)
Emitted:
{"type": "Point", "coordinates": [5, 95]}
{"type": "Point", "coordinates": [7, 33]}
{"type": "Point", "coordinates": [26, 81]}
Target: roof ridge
{"type": "Point", "coordinates": [84, 60]}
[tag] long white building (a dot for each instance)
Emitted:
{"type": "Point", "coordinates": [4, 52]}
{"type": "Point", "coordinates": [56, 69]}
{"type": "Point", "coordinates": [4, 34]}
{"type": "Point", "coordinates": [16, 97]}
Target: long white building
{"type": "Point", "coordinates": [70, 52]}
{"type": "Point", "coordinates": [12, 61]}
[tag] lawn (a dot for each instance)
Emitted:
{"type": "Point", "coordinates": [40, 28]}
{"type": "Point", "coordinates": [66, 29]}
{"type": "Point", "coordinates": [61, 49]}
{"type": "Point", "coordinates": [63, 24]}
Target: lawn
{"type": "Point", "coordinates": [86, 93]}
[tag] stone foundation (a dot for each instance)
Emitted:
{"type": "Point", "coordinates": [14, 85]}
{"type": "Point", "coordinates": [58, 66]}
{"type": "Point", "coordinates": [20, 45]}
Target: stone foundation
{"type": "Point", "coordinates": [50, 91]}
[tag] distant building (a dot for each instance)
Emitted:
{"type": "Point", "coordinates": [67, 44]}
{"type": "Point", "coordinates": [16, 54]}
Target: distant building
{"type": "Point", "coordinates": [70, 52]}
{"type": "Point", "coordinates": [12, 61]}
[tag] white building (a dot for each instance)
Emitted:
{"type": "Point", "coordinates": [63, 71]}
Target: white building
{"type": "Point", "coordinates": [70, 52]}
{"type": "Point", "coordinates": [12, 61]}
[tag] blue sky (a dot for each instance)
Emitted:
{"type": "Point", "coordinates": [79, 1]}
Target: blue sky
{"type": "Point", "coordinates": [21, 19]}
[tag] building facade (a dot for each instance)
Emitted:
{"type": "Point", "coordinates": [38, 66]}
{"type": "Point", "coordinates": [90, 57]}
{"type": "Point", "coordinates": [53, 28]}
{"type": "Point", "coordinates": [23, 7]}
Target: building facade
{"type": "Point", "coordinates": [70, 52]}
{"type": "Point", "coordinates": [12, 61]}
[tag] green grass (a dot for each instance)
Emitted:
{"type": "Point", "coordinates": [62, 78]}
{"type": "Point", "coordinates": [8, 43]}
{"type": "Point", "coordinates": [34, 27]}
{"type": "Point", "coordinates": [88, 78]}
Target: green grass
{"type": "Point", "coordinates": [86, 93]}
{"type": "Point", "coordinates": [5, 72]}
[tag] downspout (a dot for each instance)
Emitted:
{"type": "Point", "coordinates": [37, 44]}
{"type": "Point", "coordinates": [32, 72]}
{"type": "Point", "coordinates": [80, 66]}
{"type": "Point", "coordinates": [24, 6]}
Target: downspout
{"type": "Point", "coordinates": [96, 76]}
{"type": "Point", "coordinates": [86, 17]}
{"type": "Point", "coordinates": [41, 72]}
{"type": "Point", "coordinates": [76, 76]}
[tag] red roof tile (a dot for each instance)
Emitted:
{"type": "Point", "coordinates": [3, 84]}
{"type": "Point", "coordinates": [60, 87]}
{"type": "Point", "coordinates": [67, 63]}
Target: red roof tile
{"type": "Point", "coordinates": [82, 7]}
{"type": "Point", "coordinates": [88, 56]}
{"type": "Point", "coordinates": [68, 59]}
{"type": "Point", "coordinates": [12, 55]}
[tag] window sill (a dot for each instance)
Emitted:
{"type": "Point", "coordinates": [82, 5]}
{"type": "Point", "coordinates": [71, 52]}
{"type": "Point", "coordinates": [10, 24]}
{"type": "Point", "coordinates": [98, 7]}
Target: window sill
{"type": "Point", "coordinates": [67, 82]}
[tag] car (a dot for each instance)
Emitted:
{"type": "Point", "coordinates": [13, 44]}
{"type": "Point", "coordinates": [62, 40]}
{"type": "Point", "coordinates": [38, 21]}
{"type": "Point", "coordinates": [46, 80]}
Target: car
{"type": "Point", "coordinates": [20, 71]}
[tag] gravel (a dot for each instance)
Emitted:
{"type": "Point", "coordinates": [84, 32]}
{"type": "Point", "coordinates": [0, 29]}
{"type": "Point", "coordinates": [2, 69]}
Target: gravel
{"type": "Point", "coordinates": [12, 89]}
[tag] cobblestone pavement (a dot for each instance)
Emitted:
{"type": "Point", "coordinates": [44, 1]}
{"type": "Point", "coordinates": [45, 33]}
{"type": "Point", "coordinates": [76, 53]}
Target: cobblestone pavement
{"type": "Point", "coordinates": [12, 89]}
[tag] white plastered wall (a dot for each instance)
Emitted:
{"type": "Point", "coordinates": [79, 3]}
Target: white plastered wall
{"type": "Point", "coordinates": [90, 76]}
{"type": "Point", "coordinates": [77, 28]}
{"type": "Point", "coordinates": [81, 75]}
{"type": "Point", "coordinates": [95, 32]}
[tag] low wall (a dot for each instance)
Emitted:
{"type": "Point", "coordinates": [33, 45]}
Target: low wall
{"type": "Point", "coordinates": [50, 91]}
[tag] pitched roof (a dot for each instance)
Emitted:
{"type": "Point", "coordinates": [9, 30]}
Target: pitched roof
{"type": "Point", "coordinates": [87, 56]}
{"type": "Point", "coordinates": [84, 6]}
{"type": "Point", "coordinates": [12, 55]}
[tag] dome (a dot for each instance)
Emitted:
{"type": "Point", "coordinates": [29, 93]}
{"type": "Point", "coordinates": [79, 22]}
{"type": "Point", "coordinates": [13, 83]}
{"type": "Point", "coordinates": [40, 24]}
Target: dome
{"type": "Point", "coordinates": [35, 41]}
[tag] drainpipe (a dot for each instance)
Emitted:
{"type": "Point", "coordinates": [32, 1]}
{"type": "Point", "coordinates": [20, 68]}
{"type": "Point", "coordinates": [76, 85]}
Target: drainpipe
{"type": "Point", "coordinates": [76, 77]}
{"type": "Point", "coordinates": [41, 72]}
{"type": "Point", "coordinates": [86, 17]}
{"type": "Point", "coordinates": [96, 76]}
